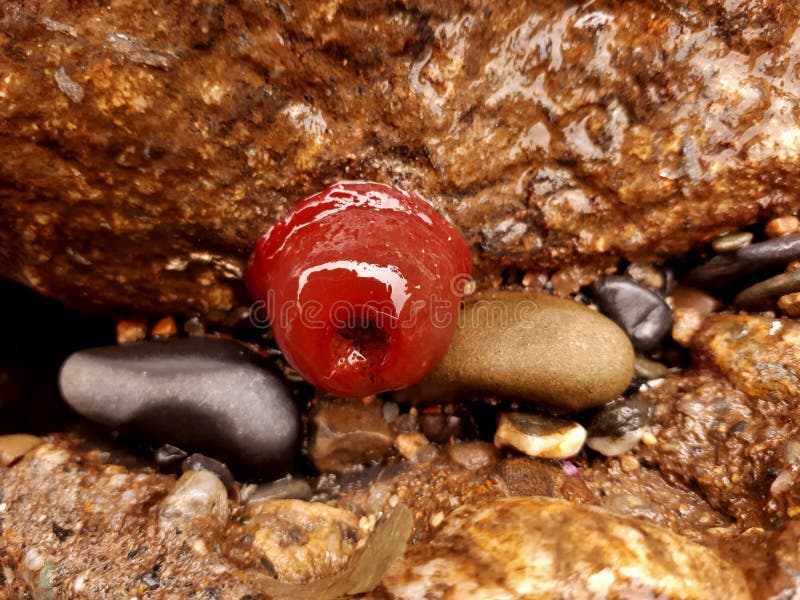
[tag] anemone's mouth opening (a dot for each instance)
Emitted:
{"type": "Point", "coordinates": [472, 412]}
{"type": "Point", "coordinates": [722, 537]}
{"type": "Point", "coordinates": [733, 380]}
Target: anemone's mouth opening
{"type": "Point", "coordinates": [360, 348]}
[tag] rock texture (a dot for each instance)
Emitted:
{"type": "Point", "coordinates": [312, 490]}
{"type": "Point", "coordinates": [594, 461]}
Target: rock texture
{"type": "Point", "coordinates": [520, 548]}
{"type": "Point", "coordinates": [145, 150]}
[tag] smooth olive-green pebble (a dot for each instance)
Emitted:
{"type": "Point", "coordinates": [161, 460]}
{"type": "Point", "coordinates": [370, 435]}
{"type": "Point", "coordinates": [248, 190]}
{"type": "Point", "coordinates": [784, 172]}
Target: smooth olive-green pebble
{"type": "Point", "coordinates": [731, 242]}
{"type": "Point", "coordinates": [537, 348]}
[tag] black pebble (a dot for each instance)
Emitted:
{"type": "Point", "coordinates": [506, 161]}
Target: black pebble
{"type": "Point", "coordinates": [620, 416]}
{"type": "Point", "coordinates": [202, 394]}
{"type": "Point", "coordinates": [169, 458]}
{"type": "Point", "coordinates": [641, 313]}
{"type": "Point", "coordinates": [763, 259]}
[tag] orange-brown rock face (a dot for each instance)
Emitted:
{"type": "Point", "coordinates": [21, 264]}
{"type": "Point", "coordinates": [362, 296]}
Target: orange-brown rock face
{"type": "Point", "coordinates": [145, 149]}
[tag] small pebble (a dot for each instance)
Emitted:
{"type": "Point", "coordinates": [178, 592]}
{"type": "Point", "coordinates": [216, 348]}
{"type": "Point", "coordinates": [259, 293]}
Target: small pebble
{"type": "Point", "coordinates": [614, 446]}
{"type": "Point", "coordinates": [286, 488]}
{"type": "Point", "coordinates": [690, 308]}
{"type": "Point", "coordinates": [202, 394]}
{"type": "Point", "coordinates": [647, 369]}
{"type": "Point", "coordinates": [194, 327]}
{"type": "Point", "coordinates": [533, 280]}
{"type": "Point", "coordinates": [533, 347]}
{"type": "Point", "coordinates": [790, 304]}
{"type": "Point", "coordinates": [647, 275]}
{"type": "Point", "coordinates": [472, 455]}
{"type": "Point", "coordinates": [648, 439]}
{"type": "Point", "coordinates": [130, 330]}
{"type": "Point", "coordinates": [782, 226]}
{"type": "Point", "coordinates": [731, 242]}
{"type": "Point", "coordinates": [629, 464]}
{"type": "Point", "coordinates": [197, 494]}
{"type": "Point", "coordinates": [411, 445]}
{"type": "Point", "coordinates": [621, 416]}
{"type": "Point", "coordinates": [200, 462]}
{"type": "Point", "coordinates": [390, 410]}
{"type": "Point", "coordinates": [165, 327]}
{"type": "Point", "coordinates": [169, 458]}
{"type": "Point", "coordinates": [15, 445]}
{"type": "Point", "coordinates": [439, 427]}
{"type": "Point", "coordinates": [764, 295]}
{"type": "Point", "coordinates": [641, 313]}
{"type": "Point", "coordinates": [760, 258]}
{"type": "Point", "coordinates": [346, 434]}
{"type": "Point", "coordinates": [539, 435]}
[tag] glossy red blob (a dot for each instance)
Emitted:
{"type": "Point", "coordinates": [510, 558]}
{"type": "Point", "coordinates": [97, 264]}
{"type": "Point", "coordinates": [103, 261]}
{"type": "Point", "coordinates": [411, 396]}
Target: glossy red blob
{"type": "Point", "coordinates": [362, 284]}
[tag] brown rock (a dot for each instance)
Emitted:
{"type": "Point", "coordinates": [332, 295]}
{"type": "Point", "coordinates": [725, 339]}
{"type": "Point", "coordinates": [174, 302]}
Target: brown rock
{"type": "Point", "coordinates": [716, 439]}
{"type": "Point", "coordinates": [520, 548]}
{"type": "Point", "coordinates": [348, 434]}
{"type": "Point", "coordinates": [546, 155]}
{"type": "Point", "coordinates": [534, 347]}
{"type": "Point", "coordinates": [759, 355]}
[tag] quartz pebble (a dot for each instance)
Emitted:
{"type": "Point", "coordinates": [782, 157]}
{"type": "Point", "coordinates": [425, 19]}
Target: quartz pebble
{"type": "Point", "coordinates": [521, 549]}
{"type": "Point", "coordinates": [203, 394]}
{"type": "Point", "coordinates": [731, 242]}
{"type": "Point", "coordinates": [643, 315]}
{"type": "Point", "coordinates": [539, 435]}
{"type": "Point", "coordinates": [764, 294]}
{"type": "Point", "coordinates": [761, 258]}
{"type": "Point", "coordinates": [302, 541]}
{"type": "Point", "coordinates": [346, 434]}
{"type": "Point", "coordinates": [782, 226]}
{"type": "Point", "coordinates": [15, 445]}
{"type": "Point", "coordinates": [536, 348]}
{"type": "Point", "coordinates": [197, 495]}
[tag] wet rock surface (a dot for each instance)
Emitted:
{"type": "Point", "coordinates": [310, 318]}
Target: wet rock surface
{"type": "Point", "coordinates": [730, 431]}
{"type": "Point", "coordinates": [519, 547]}
{"type": "Point", "coordinates": [205, 394]}
{"type": "Point", "coordinates": [591, 159]}
{"type": "Point", "coordinates": [534, 347]}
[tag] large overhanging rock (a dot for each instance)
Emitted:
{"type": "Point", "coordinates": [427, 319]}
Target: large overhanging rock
{"type": "Point", "coordinates": [144, 148]}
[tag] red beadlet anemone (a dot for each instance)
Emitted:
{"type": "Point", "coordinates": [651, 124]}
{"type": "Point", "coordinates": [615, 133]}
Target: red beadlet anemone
{"type": "Point", "coordinates": [362, 284]}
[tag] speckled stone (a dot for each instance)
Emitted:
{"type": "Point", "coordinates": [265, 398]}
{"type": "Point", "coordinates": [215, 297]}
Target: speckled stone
{"type": "Point", "coordinates": [534, 347]}
{"type": "Point", "coordinates": [522, 549]}
{"type": "Point", "coordinates": [200, 394]}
